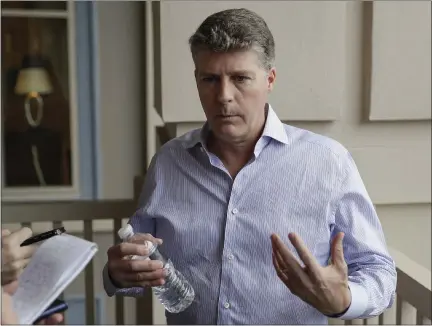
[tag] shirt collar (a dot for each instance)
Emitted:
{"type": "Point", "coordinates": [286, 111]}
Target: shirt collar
{"type": "Point", "coordinates": [273, 129]}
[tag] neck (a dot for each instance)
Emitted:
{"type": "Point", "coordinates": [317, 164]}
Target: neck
{"type": "Point", "coordinates": [235, 154]}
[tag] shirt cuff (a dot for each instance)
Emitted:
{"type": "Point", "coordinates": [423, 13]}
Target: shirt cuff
{"type": "Point", "coordinates": [110, 288]}
{"type": "Point", "coordinates": [359, 302]}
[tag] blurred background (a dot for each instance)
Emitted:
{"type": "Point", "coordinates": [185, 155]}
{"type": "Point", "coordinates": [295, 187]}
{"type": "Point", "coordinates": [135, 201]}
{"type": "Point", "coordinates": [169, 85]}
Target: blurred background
{"type": "Point", "coordinates": [90, 90]}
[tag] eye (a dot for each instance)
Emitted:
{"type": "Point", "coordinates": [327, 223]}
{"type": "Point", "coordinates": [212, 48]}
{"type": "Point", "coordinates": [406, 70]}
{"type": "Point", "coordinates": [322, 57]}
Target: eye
{"type": "Point", "coordinates": [209, 79]}
{"type": "Point", "coordinates": [241, 79]}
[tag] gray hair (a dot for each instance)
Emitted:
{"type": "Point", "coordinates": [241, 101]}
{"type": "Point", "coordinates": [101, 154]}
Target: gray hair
{"type": "Point", "coordinates": [235, 30]}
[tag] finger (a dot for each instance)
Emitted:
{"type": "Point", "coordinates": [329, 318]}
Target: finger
{"type": "Point", "coordinates": [19, 236]}
{"type": "Point", "coordinates": [150, 283]}
{"type": "Point", "coordinates": [291, 271]}
{"type": "Point", "coordinates": [282, 265]}
{"type": "Point", "coordinates": [16, 266]}
{"type": "Point", "coordinates": [11, 287]}
{"type": "Point", "coordinates": [135, 265]}
{"type": "Point", "coordinates": [127, 249]}
{"type": "Point", "coordinates": [27, 251]}
{"type": "Point", "coordinates": [5, 232]}
{"type": "Point", "coordinates": [11, 275]}
{"type": "Point", "coordinates": [15, 239]}
{"type": "Point", "coordinates": [14, 253]}
{"type": "Point", "coordinates": [305, 255]}
{"type": "Point", "coordinates": [143, 276]}
{"type": "Point", "coordinates": [284, 255]}
{"type": "Point", "coordinates": [55, 319]}
{"type": "Point", "coordinates": [337, 250]}
{"type": "Point", "coordinates": [289, 263]}
{"type": "Point", "coordinates": [275, 262]}
{"type": "Point", "coordinates": [142, 237]}
{"type": "Point", "coordinates": [280, 273]}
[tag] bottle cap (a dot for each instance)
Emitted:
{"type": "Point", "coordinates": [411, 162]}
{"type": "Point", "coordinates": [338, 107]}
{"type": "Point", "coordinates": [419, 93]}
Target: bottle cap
{"type": "Point", "coordinates": [125, 232]}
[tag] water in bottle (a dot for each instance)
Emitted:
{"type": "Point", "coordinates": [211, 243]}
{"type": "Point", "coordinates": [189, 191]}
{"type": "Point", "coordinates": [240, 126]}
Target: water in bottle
{"type": "Point", "coordinates": [176, 294]}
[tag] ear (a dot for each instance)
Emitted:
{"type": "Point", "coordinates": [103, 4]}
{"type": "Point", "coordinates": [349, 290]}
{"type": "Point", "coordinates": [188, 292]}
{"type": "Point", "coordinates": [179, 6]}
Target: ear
{"type": "Point", "coordinates": [271, 78]}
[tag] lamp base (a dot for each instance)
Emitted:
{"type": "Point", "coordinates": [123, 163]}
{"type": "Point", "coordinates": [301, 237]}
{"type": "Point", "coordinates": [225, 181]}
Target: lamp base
{"type": "Point", "coordinates": [19, 160]}
{"type": "Point", "coordinates": [27, 109]}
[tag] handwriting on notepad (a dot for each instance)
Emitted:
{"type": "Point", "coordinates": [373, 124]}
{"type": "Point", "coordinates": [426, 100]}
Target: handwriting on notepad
{"type": "Point", "coordinates": [46, 269]}
{"type": "Point", "coordinates": [37, 280]}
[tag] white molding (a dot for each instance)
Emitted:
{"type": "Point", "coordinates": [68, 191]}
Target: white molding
{"type": "Point", "coordinates": [34, 13]}
{"type": "Point", "coordinates": [14, 194]}
{"type": "Point", "coordinates": [104, 227]}
{"type": "Point", "coordinates": [151, 113]}
{"type": "Point", "coordinates": [73, 106]}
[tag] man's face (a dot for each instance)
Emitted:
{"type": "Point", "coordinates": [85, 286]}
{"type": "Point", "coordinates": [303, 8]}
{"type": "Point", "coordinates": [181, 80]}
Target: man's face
{"type": "Point", "coordinates": [233, 88]}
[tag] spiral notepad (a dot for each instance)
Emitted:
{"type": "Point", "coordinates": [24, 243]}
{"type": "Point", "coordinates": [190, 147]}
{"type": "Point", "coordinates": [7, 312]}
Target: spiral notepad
{"type": "Point", "coordinates": [55, 264]}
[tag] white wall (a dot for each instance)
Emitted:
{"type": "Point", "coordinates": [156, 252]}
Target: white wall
{"type": "Point", "coordinates": [333, 57]}
{"type": "Point", "coordinates": [122, 116]}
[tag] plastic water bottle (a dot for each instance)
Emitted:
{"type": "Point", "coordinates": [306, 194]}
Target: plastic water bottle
{"type": "Point", "coordinates": [176, 294]}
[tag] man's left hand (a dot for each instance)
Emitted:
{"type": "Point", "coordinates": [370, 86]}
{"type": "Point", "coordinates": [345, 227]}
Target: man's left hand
{"type": "Point", "coordinates": [324, 288]}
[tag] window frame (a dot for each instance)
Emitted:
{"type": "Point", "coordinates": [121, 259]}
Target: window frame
{"type": "Point", "coordinates": [80, 17]}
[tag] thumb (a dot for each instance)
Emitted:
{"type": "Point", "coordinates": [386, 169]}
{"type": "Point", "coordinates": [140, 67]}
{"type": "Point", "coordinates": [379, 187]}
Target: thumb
{"type": "Point", "coordinates": [5, 232]}
{"type": "Point", "coordinates": [11, 287]}
{"type": "Point", "coordinates": [337, 250]}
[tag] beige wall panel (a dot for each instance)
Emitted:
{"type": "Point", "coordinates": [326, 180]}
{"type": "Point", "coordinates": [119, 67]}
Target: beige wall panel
{"type": "Point", "coordinates": [401, 61]}
{"type": "Point", "coordinates": [395, 175]}
{"type": "Point", "coordinates": [408, 229]}
{"type": "Point", "coordinates": [310, 42]}
{"type": "Point", "coordinates": [121, 101]}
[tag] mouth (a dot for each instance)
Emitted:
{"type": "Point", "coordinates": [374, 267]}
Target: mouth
{"type": "Point", "coordinates": [227, 117]}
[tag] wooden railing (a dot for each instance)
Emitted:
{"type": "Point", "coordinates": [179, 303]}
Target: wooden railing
{"type": "Point", "coordinates": [413, 304]}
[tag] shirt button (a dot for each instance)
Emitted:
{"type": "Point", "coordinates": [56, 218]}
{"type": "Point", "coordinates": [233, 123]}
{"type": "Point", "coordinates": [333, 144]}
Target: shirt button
{"type": "Point", "coordinates": [226, 305]}
{"type": "Point", "coordinates": [230, 256]}
{"type": "Point", "coordinates": [235, 211]}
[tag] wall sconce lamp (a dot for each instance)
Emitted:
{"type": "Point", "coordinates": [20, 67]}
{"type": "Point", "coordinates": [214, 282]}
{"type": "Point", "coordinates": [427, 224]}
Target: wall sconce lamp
{"type": "Point", "coordinates": [33, 81]}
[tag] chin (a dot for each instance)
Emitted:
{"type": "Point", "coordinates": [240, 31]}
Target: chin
{"type": "Point", "coordinates": [228, 133]}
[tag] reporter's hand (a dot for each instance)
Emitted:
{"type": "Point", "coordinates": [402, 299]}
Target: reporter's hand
{"type": "Point", "coordinates": [9, 317]}
{"type": "Point", "coordinates": [55, 319]}
{"type": "Point", "coordinates": [125, 272]}
{"type": "Point", "coordinates": [14, 257]}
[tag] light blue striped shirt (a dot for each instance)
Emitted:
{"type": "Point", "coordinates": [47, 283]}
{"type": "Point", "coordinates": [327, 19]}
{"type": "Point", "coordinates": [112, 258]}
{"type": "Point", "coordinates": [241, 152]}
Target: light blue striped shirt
{"type": "Point", "coordinates": [216, 230]}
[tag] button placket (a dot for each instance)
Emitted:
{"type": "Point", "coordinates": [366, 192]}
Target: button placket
{"type": "Point", "coordinates": [228, 258]}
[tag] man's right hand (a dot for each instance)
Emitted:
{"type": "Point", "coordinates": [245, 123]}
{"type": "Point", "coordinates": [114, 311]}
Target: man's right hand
{"type": "Point", "coordinates": [125, 272]}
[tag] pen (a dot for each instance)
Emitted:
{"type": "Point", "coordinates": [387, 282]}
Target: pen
{"type": "Point", "coordinates": [43, 236]}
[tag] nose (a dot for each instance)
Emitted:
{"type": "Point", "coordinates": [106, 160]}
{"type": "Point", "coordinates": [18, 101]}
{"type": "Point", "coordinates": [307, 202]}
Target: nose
{"type": "Point", "coordinates": [226, 93]}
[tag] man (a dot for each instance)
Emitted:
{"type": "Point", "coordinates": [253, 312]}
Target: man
{"type": "Point", "coordinates": [216, 196]}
